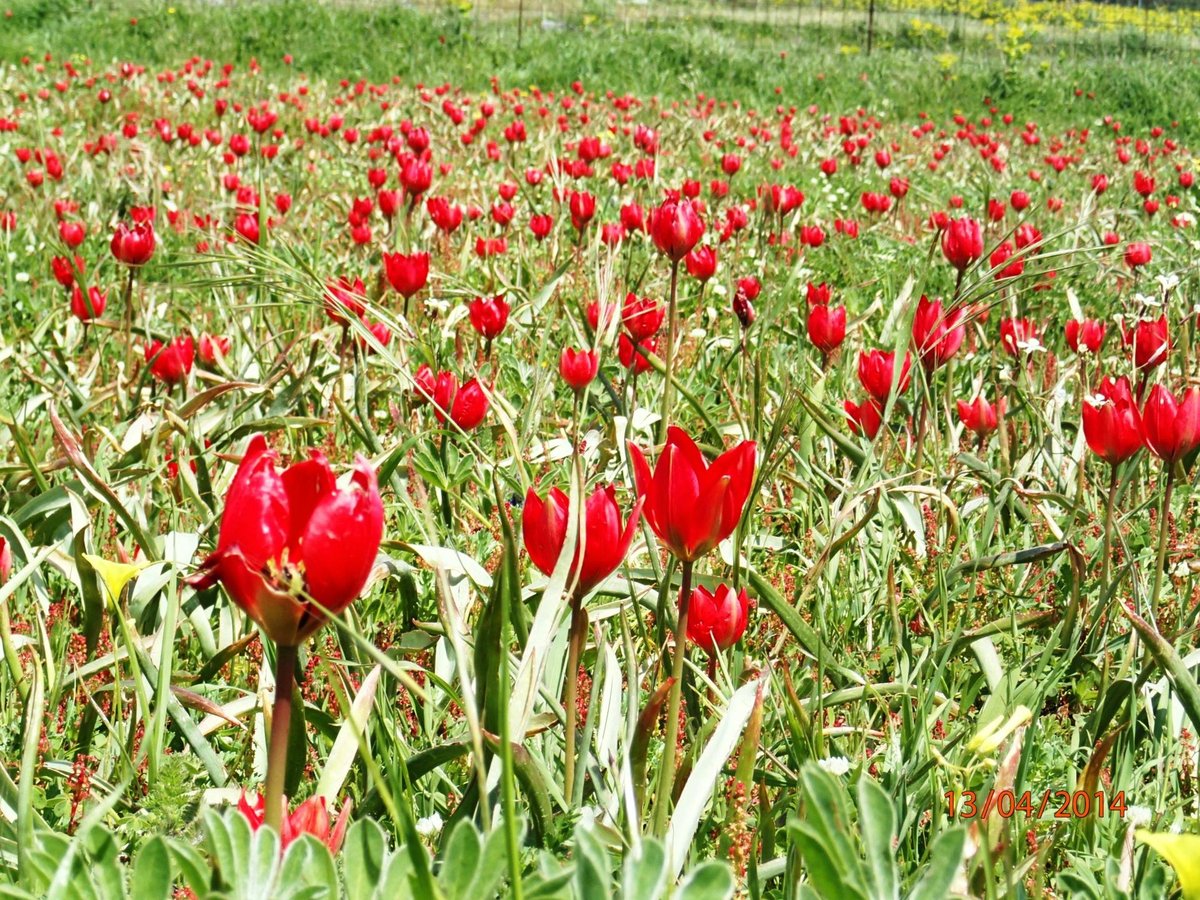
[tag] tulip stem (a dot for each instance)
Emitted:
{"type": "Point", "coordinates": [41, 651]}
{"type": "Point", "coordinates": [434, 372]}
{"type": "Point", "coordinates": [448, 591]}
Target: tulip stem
{"type": "Point", "coordinates": [922, 426]}
{"type": "Point", "coordinates": [1169, 472]}
{"type": "Point", "coordinates": [578, 635]}
{"type": "Point", "coordinates": [666, 781]}
{"type": "Point", "coordinates": [281, 719]}
{"type": "Point", "coordinates": [672, 326]}
{"type": "Point", "coordinates": [1106, 547]}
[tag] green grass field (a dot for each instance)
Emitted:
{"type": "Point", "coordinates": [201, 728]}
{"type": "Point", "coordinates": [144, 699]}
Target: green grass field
{"type": "Point", "coordinates": [634, 455]}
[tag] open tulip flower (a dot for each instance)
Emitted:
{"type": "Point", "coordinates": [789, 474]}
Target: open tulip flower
{"type": "Point", "coordinates": [602, 541]}
{"type": "Point", "coordinates": [1172, 426]}
{"type": "Point", "coordinates": [1112, 424]}
{"type": "Point", "coordinates": [310, 817]}
{"type": "Point", "coordinates": [689, 504]}
{"type": "Point", "coordinates": [294, 546]}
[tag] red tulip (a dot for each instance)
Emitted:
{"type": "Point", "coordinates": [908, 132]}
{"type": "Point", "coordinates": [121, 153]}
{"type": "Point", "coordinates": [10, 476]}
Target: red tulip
{"type": "Point", "coordinates": [827, 327]}
{"type": "Point", "coordinates": [310, 817]}
{"type": "Point", "coordinates": [1137, 254]}
{"type": "Point", "coordinates": [641, 316]}
{"type": "Point", "coordinates": [962, 242]}
{"type": "Point", "coordinates": [717, 621]}
{"type": "Point", "coordinates": [1151, 342]}
{"type": "Point", "coordinates": [6, 560]}
{"type": "Point", "coordinates": [631, 358]}
{"type": "Point", "coordinates": [445, 215]}
{"type": "Point", "coordinates": [676, 228]}
{"type": "Point", "coordinates": [72, 233]}
{"type": "Point", "coordinates": [1018, 336]}
{"type": "Point", "coordinates": [864, 418]}
{"type": "Point", "coordinates": [1002, 255]}
{"type": "Point", "coordinates": [212, 346]}
{"type": "Point", "coordinates": [701, 263]}
{"type": "Point", "coordinates": [87, 309]}
{"type": "Point", "coordinates": [1086, 336]}
{"type": "Point", "coordinates": [578, 367]}
{"type": "Point", "coordinates": [583, 208]}
{"type": "Point", "coordinates": [1111, 422]}
{"type": "Point", "coordinates": [1172, 427]}
{"type": "Point", "coordinates": [540, 226]}
{"type": "Point", "coordinates": [294, 545]}
{"type": "Point", "coordinates": [875, 371]}
{"type": "Point", "coordinates": [65, 271]}
{"type": "Point", "coordinates": [407, 273]}
{"type": "Point", "coordinates": [246, 225]}
{"type": "Point", "coordinates": [344, 297]}
{"type": "Point", "coordinates": [979, 416]}
{"type": "Point", "coordinates": [133, 246]}
{"type": "Point", "coordinates": [818, 294]}
{"type": "Point", "coordinates": [466, 406]}
{"type": "Point", "coordinates": [937, 334]}
{"type": "Point", "coordinates": [488, 315]}
{"type": "Point", "coordinates": [690, 505]}
{"type": "Point", "coordinates": [424, 385]}
{"type": "Point", "coordinates": [602, 540]}
{"type": "Point", "coordinates": [171, 363]}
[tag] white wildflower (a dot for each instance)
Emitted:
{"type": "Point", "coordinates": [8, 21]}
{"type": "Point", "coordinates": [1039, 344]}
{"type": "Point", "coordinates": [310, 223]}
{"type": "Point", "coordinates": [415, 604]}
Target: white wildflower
{"type": "Point", "coordinates": [430, 825]}
{"type": "Point", "coordinates": [835, 765]}
{"type": "Point", "coordinates": [1138, 816]}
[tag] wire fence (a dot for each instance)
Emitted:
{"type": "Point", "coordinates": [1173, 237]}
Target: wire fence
{"type": "Point", "coordinates": [1014, 27]}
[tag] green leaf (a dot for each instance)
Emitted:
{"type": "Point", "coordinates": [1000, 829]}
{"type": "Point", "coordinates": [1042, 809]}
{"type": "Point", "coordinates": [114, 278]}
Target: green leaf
{"type": "Point", "coordinates": [364, 855]}
{"type": "Point", "coordinates": [461, 860]}
{"type": "Point", "coordinates": [645, 871]}
{"type": "Point", "coordinates": [345, 747]}
{"type": "Point", "coordinates": [945, 858]}
{"type": "Point", "coordinates": [152, 871]}
{"type": "Point", "coordinates": [709, 881]}
{"type": "Point", "coordinates": [877, 822]}
{"type": "Point", "coordinates": [593, 878]}
{"type": "Point", "coordinates": [307, 864]}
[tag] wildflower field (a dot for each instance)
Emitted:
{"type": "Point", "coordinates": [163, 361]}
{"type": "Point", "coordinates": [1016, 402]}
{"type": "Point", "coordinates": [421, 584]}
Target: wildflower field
{"type": "Point", "coordinates": [590, 462]}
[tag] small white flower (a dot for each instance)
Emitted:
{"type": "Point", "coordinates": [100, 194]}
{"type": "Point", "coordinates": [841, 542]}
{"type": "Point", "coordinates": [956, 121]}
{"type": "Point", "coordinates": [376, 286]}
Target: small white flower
{"type": "Point", "coordinates": [1138, 816]}
{"type": "Point", "coordinates": [1096, 401]}
{"type": "Point", "coordinates": [22, 277]}
{"type": "Point", "coordinates": [430, 825]}
{"type": "Point", "coordinates": [1168, 281]}
{"type": "Point", "coordinates": [587, 817]}
{"type": "Point", "coordinates": [1030, 345]}
{"type": "Point", "coordinates": [1146, 300]}
{"type": "Point", "coordinates": [1176, 828]}
{"type": "Point", "coordinates": [835, 765]}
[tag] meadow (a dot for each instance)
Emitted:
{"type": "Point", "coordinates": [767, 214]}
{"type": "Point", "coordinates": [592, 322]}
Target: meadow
{"type": "Point", "coordinates": [691, 457]}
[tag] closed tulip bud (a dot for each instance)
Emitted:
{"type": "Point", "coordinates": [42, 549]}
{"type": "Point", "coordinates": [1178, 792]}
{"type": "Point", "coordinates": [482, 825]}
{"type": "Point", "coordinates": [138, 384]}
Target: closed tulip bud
{"type": "Point", "coordinates": [578, 367]}
{"type": "Point", "coordinates": [864, 418]}
{"type": "Point", "coordinates": [1151, 342]}
{"type": "Point", "coordinates": [876, 369]}
{"type": "Point", "coordinates": [407, 273]}
{"type": "Point", "coordinates": [701, 263]}
{"type": "Point", "coordinates": [65, 270]}
{"type": "Point", "coordinates": [1137, 254]}
{"type": "Point", "coordinates": [6, 560]}
{"type": "Point", "coordinates": [676, 228]}
{"type": "Point", "coordinates": [689, 504]}
{"type": "Point", "coordinates": [465, 406]}
{"type": "Point", "coordinates": [743, 309]}
{"type": "Point", "coordinates": [1086, 336]}
{"type": "Point", "coordinates": [540, 225]}
{"type": "Point", "coordinates": [171, 363]}
{"type": "Point", "coordinates": [89, 306]}
{"type": "Point", "coordinates": [937, 334]}
{"type": "Point", "coordinates": [488, 315]}
{"type": "Point", "coordinates": [294, 545]}
{"type": "Point", "coordinates": [717, 621]}
{"type": "Point", "coordinates": [962, 242]}
{"type": "Point", "coordinates": [1171, 426]}
{"type": "Point", "coordinates": [1112, 424]}
{"type": "Point", "coordinates": [827, 327]}
{"type": "Point", "coordinates": [583, 208]}
{"type": "Point", "coordinates": [72, 233]}
{"type": "Point", "coordinates": [979, 416]}
{"type": "Point", "coordinates": [133, 246]}
{"type": "Point", "coordinates": [1002, 255]}
{"type": "Point", "coordinates": [602, 542]}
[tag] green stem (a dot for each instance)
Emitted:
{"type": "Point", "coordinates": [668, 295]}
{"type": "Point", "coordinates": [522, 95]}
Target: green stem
{"type": "Point", "coordinates": [672, 329]}
{"type": "Point", "coordinates": [281, 719]}
{"type": "Point", "coordinates": [576, 640]}
{"type": "Point", "coordinates": [1106, 547]}
{"type": "Point", "coordinates": [666, 781]}
{"type": "Point", "coordinates": [1169, 471]}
